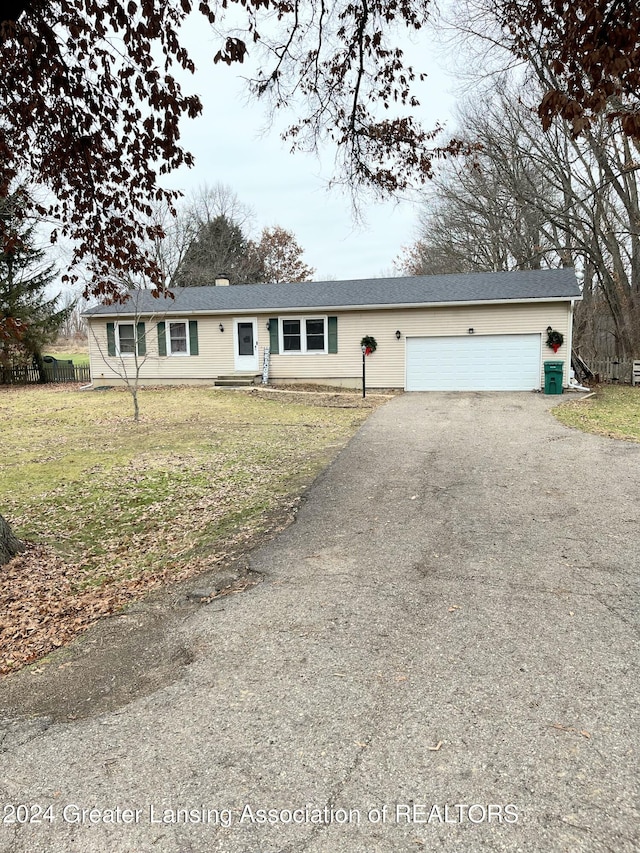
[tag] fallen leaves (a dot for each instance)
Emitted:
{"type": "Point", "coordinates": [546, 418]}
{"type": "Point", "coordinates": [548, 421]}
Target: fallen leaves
{"type": "Point", "coordinates": [43, 610]}
{"type": "Point", "coordinates": [39, 610]}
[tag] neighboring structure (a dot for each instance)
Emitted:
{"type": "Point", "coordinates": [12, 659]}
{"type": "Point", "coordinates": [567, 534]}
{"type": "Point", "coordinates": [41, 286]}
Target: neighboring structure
{"type": "Point", "coordinates": [484, 331]}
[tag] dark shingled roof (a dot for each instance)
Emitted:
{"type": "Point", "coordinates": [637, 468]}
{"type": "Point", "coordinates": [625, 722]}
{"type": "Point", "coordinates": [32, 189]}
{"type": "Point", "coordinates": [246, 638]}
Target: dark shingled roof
{"type": "Point", "coordinates": [358, 293]}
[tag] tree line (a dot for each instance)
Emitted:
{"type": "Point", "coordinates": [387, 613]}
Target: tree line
{"type": "Point", "coordinates": [531, 194]}
{"type": "Point", "coordinates": [209, 237]}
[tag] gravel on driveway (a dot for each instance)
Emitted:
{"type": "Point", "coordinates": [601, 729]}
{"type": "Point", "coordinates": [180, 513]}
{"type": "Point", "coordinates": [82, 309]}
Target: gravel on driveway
{"type": "Point", "coordinates": [442, 656]}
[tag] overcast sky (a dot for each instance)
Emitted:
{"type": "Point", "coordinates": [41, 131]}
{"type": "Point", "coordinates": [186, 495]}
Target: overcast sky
{"type": "Point", "coordinates": [231, 147]}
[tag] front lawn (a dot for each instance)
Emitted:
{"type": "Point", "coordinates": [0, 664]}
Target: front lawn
{"type": "Point", "coordinates": [112, 508]}
{"type": "Point", "coordinates": [613, 411]}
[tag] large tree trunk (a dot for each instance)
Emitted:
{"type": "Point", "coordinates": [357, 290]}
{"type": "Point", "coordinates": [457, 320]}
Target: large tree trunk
{"type": "Point", "coordinates": [43, 377]}
{"type": "Point", "coordinates": [10, 545]}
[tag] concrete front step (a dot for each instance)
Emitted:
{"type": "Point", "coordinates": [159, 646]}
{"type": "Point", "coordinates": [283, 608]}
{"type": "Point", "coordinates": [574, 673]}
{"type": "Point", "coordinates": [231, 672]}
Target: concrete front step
{"type": "Point", "coordinates": [243, 381]}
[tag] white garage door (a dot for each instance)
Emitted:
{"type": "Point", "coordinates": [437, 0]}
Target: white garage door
{"type": "Point", "coordinates": [474, 363]}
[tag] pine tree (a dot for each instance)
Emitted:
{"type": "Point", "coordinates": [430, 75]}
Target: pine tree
{"type": "Point", "coordinates": [219, 248]}
{"type": "Point", "coordinates": [10, 545]}
{"type": "Point", "coordinates": [28, 318]}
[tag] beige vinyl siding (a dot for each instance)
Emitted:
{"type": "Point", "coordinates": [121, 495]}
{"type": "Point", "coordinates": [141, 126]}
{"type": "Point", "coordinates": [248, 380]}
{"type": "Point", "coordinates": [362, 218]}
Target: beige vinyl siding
{"type": "Point", "coordinates": [385, 368]}
{"type": "Point", "coordinates": [215, 354]}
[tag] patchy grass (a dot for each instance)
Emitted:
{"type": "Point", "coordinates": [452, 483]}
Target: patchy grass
{"type": "Point", "coordinates": [614, 411]}
{"type": "Point", "coordinates": [113, 508]}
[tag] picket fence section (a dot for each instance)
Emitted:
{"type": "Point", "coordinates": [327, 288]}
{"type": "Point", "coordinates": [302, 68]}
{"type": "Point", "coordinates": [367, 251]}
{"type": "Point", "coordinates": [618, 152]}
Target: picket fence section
{"type": "Point", "coordinates": [612, 370]}
{"type": "Point", "coordinates": [55, 373]}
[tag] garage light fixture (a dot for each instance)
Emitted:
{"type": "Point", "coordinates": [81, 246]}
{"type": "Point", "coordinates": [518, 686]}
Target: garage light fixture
{"type": "Point", "coordinates": [398, 334]}
{"type": "Point", "coordinates": [471, 331]}
{"type": "Point", "coordinates": [221, 327]}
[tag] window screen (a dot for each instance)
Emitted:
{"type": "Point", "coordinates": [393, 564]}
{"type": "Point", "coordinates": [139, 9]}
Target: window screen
{"type": "Point", "coordinates": [126, 338]}
{"type": "Point", "coordinates": [291, 338]}
{"type": "Point", "coordinates": [178, 337]}
{"type": "Point", "coordinates": [315, 335]}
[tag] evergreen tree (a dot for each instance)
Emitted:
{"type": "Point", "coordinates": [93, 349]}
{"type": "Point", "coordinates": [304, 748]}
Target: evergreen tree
{"type": "Point", "coordinates": [219, 248]}
{"type": "Point", "coordinates": [28, 318]}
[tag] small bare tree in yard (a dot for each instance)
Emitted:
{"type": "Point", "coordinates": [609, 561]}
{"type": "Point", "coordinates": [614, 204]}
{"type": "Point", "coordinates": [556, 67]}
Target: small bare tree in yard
{"type": "Point", "coordinates": [125, 348]}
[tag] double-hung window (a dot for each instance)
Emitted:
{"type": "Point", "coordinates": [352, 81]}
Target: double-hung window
{"type": "Point", "coordinates": [315, 335]}
{"type": "Point", "coordinates": [178, 338]}
{"type": "Point", "coordinates": [304, 334]}
{"type": "Point", "coordinates": [291, 336]}
{"type": "Point", "coordinates": [126, 339]}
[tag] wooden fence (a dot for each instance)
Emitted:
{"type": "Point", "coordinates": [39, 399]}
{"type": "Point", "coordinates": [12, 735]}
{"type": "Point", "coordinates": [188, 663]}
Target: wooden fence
{"type": "Point", "coordinates": [612, 370]}
{"type": "Point", "coordinates": [54, 372]}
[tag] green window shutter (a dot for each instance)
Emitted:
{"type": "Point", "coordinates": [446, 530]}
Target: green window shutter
{"type": "Point", "coordinates": [162, 338]}
{"type": "Point", "coordinates": [111, 338]}
{"type": "Point", "coordinates": [141, 338]}
{"type": "Point", "coordinates": [332, 323]}
{"type": "Point", "coordinates": [193, 337]}
{"type": "Point", "coordinates": [273, 336]}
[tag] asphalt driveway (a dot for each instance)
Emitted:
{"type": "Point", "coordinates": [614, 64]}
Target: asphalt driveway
{"type": "Point", "coordinates": [443, 655]}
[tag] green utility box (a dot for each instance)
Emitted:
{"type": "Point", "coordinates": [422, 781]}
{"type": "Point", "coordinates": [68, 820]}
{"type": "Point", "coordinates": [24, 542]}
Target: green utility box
{"type": "Point", "coordinates": [553, 377]}
{"type": "Point", "coordinates": [59, 369]}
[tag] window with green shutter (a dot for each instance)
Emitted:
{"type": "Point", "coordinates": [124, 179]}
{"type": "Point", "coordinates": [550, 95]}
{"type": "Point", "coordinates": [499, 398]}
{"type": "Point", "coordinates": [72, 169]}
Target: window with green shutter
{"type": "Point", "coordinates": [274, 344]}
{"type": "Point", "coordinates": [332, 327]}
{"type": "Point", "coordinates": [162, 338]}
{"type": "Point", "coordinates": [141, 339]}
{"type": "Point", "coordinates": [111, 339]}
{"type": "Point", "coordinates": [126, 338]}
{"type": "Point", "coordinates": [178, 337]}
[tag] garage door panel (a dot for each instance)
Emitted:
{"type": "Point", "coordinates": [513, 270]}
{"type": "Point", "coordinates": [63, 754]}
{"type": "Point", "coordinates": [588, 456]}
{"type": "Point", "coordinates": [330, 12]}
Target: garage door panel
{"type": "Point", "coordinates": [474, 363]}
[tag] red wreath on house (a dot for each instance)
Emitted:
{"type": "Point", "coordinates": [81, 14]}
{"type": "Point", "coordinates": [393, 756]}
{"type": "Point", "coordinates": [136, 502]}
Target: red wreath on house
{"type": "Point", "coordinates": [554, 339]}
{"type": "Point", "coordinates": [369, 344]}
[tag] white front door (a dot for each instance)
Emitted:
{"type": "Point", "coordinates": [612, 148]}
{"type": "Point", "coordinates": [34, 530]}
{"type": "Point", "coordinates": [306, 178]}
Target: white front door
{"type": "Point", "coordinates": [245, 345]}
